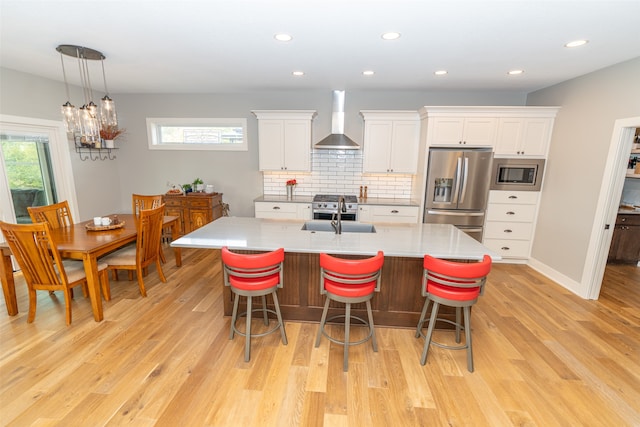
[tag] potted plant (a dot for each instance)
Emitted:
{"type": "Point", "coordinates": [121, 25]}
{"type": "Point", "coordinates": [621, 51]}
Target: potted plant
{"type": "Point", "coordinates": [186, 188]}
{"type": "Point", "coordinates": [198, 185]}
{"type": "Point", "coordinates": [111, 133]}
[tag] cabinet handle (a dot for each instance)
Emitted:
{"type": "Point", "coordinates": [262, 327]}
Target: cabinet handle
{"type": "Point", "coordinates": [276, 207]}
{"type": "Point", "coordinates": [508, 231]}
{"type": "Point", "coordinates": [394, 211]}
{"type": "Point", "coordinates": [505, 248]}
{"type": "Point", "coordinates": [513, 197]}
{"type": "Point", "coordinates": [511, 213]}
{"type": "Point", "coordinates": [623, 219]}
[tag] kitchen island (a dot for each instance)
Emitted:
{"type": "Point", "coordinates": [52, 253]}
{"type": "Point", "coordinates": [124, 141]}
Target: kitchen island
{"type": "Point", "coordinates": [404, 245]}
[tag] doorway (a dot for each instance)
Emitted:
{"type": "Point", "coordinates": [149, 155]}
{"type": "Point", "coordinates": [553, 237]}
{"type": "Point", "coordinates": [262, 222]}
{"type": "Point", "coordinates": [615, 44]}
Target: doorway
{"type": "Point", "coordinates": [35, 166]}
{"type": "Point", "coordinates": [608, 203]}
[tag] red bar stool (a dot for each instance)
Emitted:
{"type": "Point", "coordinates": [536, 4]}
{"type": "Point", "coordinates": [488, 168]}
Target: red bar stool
{"type": "Point", "coordinates": [453, 284]}
{"type": "Point", "coordinates": [254, 275]}
{"type": "Point", "coordinates": [349, 281]}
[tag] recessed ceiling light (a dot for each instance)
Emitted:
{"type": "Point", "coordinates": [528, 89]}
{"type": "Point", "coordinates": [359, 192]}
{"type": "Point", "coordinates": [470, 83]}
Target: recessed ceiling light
{"type": "Point", "coordinates": [440, 72]}
{"type": "Point", "coordinates": [368, 73]}
{"type": "Point", "coordinates": [515, 72]}
{"type": "Point", "coordinates": [576, 43]}
{"type": "Point", "coordinates": [283, 37]}
{"type": "Point", "coordinates": [298, 73]}
{"type": "Point", "coordinates": [390, 36]}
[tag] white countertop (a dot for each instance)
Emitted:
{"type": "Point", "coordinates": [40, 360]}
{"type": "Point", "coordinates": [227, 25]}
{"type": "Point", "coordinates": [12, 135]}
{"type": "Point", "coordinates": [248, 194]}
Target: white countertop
{"type": "Point", "coordinates": [398, 240]}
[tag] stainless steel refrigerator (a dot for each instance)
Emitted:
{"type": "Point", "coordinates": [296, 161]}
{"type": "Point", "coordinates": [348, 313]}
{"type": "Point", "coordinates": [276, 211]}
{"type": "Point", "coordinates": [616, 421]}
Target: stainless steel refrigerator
{"type": "Point", "coordinates": [458, 187]}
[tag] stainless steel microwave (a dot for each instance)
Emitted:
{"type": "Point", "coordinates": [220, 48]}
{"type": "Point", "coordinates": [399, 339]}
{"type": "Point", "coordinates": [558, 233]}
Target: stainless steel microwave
{"type": "Point", "coordinates": [517, 174]}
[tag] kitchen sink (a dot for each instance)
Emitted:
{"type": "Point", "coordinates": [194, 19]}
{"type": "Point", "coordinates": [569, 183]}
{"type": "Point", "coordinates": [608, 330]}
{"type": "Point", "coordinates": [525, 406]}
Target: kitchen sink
{"type": "Point", "coordinates": [347, 227]}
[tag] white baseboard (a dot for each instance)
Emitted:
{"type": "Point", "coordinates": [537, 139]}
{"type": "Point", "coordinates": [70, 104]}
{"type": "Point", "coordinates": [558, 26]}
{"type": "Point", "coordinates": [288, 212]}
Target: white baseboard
{"type": "Point", "coordinates": [564, 281]}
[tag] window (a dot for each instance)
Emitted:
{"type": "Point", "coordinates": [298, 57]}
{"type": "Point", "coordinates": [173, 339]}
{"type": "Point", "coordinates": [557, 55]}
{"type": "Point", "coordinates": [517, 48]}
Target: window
{"type": "Point", "coordinates": [197, 134]}
{"type": "Point", "coordinates": [35, 166]}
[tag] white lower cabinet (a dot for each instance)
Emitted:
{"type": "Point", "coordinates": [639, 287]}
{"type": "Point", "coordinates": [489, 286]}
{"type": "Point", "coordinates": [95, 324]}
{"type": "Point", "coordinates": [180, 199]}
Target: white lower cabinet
{"type": "Point", "coordinates": [510, 222]}
{"type": "Point", "coordinates": [275, 210]}
{"type": "Point", "coordinates": [389, 213]}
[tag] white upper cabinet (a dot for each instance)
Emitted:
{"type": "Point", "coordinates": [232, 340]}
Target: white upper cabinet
{"type": "Point", "coordinates": [284, 139]}
{"type": "Point", "coordinates": [470, 131]}
{"type": "Point", "coordinates": [523, 136]}
{"type": "Point", "coordinates": [391, 141]}
{"type": "Point", "coordinates": [511, 131]}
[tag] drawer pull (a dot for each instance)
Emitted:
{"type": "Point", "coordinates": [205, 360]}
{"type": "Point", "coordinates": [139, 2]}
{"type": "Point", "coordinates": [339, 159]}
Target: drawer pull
{"type": "Point", "coordinates": [511, 213]}
{"type": "Point", "coordinates": [623, 219]}
{"type": "Point", "coordinates": [505, 248]}
{"type": "Point", "coordinates": [513, 197]}
{"type": "Point", "coordinates": [276, 207]}
{"type": "Point", "coordinates": [508, 231]}
{"type": "Point", "coordinates": [394, 211]}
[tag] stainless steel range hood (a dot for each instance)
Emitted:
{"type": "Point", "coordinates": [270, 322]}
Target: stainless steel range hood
{"type": "Point", "coordinates": [337, 140]}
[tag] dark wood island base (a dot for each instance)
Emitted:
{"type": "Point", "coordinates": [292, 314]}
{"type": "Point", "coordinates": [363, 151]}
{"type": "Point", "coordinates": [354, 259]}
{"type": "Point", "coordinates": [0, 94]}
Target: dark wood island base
{"type": "Point", "coordinates": [398, 304]}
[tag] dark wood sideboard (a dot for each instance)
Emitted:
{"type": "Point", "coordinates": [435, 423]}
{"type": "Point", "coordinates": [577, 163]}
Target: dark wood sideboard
{"type": "Point", "coordinates": [194, 209]}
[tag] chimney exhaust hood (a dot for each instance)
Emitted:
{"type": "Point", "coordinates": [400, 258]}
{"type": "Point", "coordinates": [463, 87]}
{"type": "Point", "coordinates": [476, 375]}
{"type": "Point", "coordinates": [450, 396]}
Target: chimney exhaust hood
{"type": "Point", "coordinates": [337, 140]}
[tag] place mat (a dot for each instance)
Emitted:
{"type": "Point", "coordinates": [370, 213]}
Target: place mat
{"type": "Point", "coordinates": [92, 227]}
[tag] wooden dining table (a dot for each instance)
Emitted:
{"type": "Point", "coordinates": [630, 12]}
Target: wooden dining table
{"type": "Point", "coordinates": [77, 242]}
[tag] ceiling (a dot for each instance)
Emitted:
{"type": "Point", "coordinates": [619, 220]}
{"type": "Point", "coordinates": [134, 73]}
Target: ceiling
{"type": "Point", "coordinates": [188, 46]}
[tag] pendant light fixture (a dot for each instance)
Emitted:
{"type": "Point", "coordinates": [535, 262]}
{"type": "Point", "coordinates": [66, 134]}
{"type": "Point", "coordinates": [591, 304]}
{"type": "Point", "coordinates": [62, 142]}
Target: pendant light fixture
{"type": "Point", "coordinates": [87, 121]}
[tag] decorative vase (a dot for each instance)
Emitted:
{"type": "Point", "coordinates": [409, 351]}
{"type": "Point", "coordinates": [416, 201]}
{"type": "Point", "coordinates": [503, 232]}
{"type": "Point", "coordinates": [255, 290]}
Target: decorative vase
{"type": "Point", "coordinates": [289, 192]}
{"type": "Point", "coordinates": [108, 143]}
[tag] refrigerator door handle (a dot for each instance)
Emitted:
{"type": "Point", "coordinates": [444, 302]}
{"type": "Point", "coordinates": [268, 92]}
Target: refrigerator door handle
{"type": "Point", "coordinates": [453, 213]}
{"type": "Point", "coordinates": [465, 167]}
{"type": "Point", "coordinates": [456, 191]}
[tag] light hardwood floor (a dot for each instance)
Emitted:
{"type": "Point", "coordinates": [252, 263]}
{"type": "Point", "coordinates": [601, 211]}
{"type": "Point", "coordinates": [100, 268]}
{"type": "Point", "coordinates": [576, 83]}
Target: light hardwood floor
{"type": "Point", "coordinates": [543, 357]}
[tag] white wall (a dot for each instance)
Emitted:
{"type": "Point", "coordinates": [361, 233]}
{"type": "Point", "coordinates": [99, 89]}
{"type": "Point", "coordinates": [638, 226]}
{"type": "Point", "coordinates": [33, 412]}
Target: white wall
{"type": "Point", "coordinates": [25, 95]}
{"type": "Point", "coordinates": [574, 173]}
{"type": "Point", "coordinates": [106, 186]}
{"type": "Point", "coordinates": [236, 173]}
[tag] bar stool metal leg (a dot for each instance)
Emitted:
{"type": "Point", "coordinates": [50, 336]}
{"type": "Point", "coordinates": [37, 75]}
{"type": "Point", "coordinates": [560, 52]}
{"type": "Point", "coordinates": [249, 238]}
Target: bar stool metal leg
{"type": "Point", "coordinates": [374, 342]}
{"type": "Point", "coordinates": [323, 321]}
{"type": "Point", "coordinates": [432, 323]}
{"type": "Point", "coordinates": [467, 334]}
{"type": "Point", "coordinates": [247, 337]}
{"type": "Point", "coordinates": [283, 334]}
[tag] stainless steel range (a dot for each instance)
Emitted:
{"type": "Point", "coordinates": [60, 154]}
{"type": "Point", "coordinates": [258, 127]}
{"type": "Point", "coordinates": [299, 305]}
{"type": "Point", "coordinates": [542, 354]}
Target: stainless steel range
{"type": "Point", "coordinates": [324, 206]}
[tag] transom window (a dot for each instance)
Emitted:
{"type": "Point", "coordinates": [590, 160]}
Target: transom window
{"type": "Point", "coordinates": [197, 134]}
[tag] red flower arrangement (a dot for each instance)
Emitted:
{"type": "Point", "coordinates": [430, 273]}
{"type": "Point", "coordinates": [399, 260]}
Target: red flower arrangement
{"type": "Point", "coordinates": [292, 182]}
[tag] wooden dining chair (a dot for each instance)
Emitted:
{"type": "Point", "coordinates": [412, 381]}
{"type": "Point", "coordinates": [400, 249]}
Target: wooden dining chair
{"type": "Point", "coordinates": [42, 266]}
{"type": "Point", "coordinates": [146, 250]}
{"type": "Point", "coordinates": [56, 215]}
{"type": "Point", "coordinates": [140, 202]}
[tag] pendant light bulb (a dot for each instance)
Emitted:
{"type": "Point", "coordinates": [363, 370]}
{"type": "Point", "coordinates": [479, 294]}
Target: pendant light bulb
{"type": "Point", "coordinates": [69, 117]}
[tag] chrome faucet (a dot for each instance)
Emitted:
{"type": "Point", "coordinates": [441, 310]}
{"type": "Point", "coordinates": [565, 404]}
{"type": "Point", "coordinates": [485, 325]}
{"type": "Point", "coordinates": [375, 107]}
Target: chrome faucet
{"type": "Point", "coordinates": [342, 207]}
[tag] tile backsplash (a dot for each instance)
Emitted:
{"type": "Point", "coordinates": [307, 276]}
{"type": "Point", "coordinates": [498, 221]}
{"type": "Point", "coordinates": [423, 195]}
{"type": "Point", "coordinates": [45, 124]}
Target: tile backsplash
{"type": "Point", "coordinates": [338, 172]}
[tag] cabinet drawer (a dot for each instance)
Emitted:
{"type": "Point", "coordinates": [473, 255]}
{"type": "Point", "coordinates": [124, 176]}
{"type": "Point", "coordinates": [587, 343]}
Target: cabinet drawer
{"type": "Point", "coordinates": [631, 219]}
{"type": "Point", "coordinates": [168, 201]}
{"type": "Point", "coordinates": [508, 230]}
{"type": "Point", "coordinates": [508, 248]}
{"type": "Point", "coordinates": [514, 197]}
{"type": "Point", "coordinates": [400, 214]}
{"type": "Point", "coordinates": [511, 213]}
{"type": "Point", "coordinates": [199, 203]}
{"type": "Point", "coordinates": [276, 210]}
